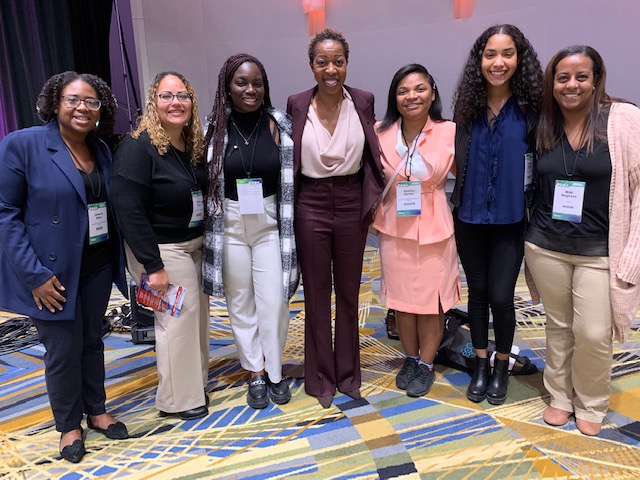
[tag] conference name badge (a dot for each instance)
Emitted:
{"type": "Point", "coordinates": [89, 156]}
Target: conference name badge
{"type": "Point", "coordinates": [408, 201]}
{"type": "Point", "coordinates": [98, 223]}
{"type": "Point", "coordinates": [250, 196]}
{"type": "Point", "coordinates": [568, 199]}
{"type": "Point", "coordinates": [197, 215]}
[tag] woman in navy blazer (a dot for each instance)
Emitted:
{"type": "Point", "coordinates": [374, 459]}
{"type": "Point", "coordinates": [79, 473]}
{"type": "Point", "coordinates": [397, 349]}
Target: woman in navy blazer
{"type": "Point", "coordinates": [338, 179]}
{"type": "Point", "coordinates": [59, 250]}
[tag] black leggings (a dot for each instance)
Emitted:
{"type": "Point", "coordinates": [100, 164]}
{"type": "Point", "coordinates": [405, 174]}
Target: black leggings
{"type": "Point", "coordinates": [491, 256]}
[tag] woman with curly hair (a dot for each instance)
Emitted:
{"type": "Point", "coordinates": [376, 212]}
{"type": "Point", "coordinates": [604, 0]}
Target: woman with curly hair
{"type": "Point", "coordinates": [59, 250]}
{"type": "Point", "coordinates": [495, 109]}
{"type": "Point", "coordinates": [338, 178]}
{"type": "Point", "coordinates": [159, 183]}
{"type": "Point", "coordinates": [584, 255]}
{"type": "Point", "coordinates": [250, 255]}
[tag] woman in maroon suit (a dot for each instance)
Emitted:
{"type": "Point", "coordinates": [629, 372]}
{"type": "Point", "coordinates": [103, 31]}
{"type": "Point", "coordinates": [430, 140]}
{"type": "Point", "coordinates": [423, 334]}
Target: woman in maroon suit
{"type": "Point", "coordinates": [338, 178]}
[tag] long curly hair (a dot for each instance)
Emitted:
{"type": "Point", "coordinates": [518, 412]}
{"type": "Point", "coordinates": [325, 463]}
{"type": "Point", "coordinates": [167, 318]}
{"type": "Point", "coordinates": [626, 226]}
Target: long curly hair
{"type": "Point", "coordinates": [328, 34]}
{"type": "Point", "coordinates": [470, 97]}
{"type": "Point", "coordinates": [393, 114]}
{"type": "Point", "coordinates": [551, 122]}
{"type": "Point", "coordinates": [150, 121]}
{"type": "Point", "coordinates": [50, 95]}
{"type": "Point", "coordinates": [219, 117]}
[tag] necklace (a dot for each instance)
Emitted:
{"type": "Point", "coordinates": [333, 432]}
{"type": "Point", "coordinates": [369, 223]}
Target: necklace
{"type": "Point", "coordinates": [79, 166]}
{"type": "Point", "coordinates": [253, 151]}
{"type": "Point", "coordinates": [247, 139]}
{"type": "Point", "coordinates": [564, 160]}
{"type": "Point", "coordinates": [410, 152]}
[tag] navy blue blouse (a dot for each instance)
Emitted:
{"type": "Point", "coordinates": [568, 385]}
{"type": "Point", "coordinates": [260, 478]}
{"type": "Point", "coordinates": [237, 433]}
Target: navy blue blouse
{"type": "Point", "coordinates": [493, 191]}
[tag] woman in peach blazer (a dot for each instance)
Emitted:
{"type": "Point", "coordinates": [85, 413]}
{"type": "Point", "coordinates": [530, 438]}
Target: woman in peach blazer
{"type": "Point", "coordinates": [420, 277]}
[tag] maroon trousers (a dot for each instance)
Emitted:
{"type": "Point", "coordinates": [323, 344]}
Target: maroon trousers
{"type": "Point", "coordinates": [330, 241]}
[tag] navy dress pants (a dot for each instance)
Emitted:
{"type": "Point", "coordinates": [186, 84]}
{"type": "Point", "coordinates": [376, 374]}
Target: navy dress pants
{"type": "Point", "coordinates": [74, 358]}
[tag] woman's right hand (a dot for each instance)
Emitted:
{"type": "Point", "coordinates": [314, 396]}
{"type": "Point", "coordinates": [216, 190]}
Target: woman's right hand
{"type": "Point", "coordinates": [49, 295]}
{"type": "Point", "coordinates": [159, 281]}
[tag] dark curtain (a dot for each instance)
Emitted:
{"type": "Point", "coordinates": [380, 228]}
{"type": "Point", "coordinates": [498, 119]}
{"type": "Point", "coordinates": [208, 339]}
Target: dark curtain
{"type": "Point", "coordinates": [90, 24]}
{"type": "Point", "coordinates": [35, 41]}
{"type": "Point", "coordinates": [39, 38]}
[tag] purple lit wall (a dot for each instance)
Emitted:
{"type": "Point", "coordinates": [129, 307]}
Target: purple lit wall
{"type": "Point", "coordinates": [124, 87]}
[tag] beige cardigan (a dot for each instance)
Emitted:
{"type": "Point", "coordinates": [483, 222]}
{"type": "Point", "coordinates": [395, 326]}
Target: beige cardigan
{"type": "Point", "coordinates": [623, 136]}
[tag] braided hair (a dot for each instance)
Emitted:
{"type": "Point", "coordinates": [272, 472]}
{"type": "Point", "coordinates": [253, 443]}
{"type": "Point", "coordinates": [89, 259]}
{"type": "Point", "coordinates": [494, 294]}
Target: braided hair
{"type": "Point", "coordinates": [219, 117]}
{"type": "Point", "coordinates": [51, 94]}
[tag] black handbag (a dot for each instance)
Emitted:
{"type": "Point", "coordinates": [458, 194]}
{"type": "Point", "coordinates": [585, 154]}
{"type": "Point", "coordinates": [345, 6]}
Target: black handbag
{"type": "Point", "coordinates": [456, 349]}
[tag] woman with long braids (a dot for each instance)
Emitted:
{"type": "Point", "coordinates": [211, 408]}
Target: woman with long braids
{"type": "Point", "coordinates": [249, 248]}
{"type": "Point", "coordinates": [495, 109]}
{"type": "Point", "coordinates": [159, 182]}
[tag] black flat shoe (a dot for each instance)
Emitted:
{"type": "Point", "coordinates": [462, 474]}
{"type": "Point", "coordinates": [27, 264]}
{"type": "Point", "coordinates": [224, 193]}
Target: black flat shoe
{"type": "Point", "coordinates": [258, 392]}
{"type": "Point", "coordinates": [280, 392]}
{"type": "Point", "coordinates": [192, 414]}
{"type": "Point", "coordinates": [73, 453]}
{"type": "Point", "coordinates": [115, 431]}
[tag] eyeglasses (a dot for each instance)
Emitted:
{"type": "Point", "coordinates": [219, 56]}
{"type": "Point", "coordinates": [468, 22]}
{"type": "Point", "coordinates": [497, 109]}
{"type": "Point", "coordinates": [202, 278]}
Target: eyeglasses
{"type": "Point", "coordinates": [167, 97]}
{"type": "Point", "coordinates": [73, 101]}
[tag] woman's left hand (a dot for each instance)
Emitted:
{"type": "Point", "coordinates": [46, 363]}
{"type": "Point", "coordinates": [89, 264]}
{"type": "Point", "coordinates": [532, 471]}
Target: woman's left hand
{"type": "Point", "coordinates": [49, 294]}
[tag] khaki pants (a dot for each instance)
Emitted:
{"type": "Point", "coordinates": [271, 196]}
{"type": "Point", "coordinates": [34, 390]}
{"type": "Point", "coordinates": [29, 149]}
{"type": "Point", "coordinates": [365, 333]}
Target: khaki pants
{"type": "Point", "coordinates": [182, 343]}
{"type": "Point", "coordinates": [577, 303]}
{"type": "Point", "coordinates": [253, 284]}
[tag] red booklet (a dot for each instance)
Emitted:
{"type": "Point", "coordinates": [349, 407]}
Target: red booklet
{"type": "Point", "coordinates": [170, 303]}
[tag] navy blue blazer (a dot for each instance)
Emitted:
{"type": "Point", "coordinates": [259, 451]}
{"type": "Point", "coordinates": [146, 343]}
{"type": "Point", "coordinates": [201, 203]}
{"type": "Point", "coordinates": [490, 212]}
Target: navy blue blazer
{"type": "Point", "coordinates": [373, 180]}
{"type": "Point", "coordinates": [44, 219]}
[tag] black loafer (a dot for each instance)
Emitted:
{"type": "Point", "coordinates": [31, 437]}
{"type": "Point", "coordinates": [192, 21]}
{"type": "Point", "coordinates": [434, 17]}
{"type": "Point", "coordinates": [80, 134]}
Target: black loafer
{"type": "Point", "coordinates": [280, 392]}
{"type": "Point", "coordinates": [257, 395]}
{"type": "Point", "coordinates": [192, 414]}
{"type": "Point", "coordinates": [115, 431]}
{"type": "Point", "coordinates": [73, 453]}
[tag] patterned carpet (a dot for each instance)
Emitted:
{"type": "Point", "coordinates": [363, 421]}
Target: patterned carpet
{"type": "Point", "coordinates": [384, 435]}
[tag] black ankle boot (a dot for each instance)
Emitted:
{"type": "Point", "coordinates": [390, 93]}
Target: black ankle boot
{"type": "Point", "coordinates": [477, 390]}
{"type": "Point", "coordinates": [497, 388]}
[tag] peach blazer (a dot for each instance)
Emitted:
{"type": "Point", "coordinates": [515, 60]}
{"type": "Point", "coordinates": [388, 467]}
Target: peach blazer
{"type": "Point", "coordinates": [435, 223]}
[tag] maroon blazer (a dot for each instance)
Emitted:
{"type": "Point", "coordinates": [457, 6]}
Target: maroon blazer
{"type": "Point", "coordinates": [373, 182]}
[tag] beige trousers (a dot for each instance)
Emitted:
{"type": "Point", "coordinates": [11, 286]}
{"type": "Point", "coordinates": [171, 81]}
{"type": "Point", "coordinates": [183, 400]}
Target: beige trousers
{"type": "Point", "coordinates": [253, 284]}
{"type": "Point", "coordinates": [577, 304]}
{"type": "Point", "coordinates": [182, 343]}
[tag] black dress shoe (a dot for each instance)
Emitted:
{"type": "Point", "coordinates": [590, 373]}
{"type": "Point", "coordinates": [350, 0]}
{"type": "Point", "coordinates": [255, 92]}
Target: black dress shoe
{"type": "Point", "coordinates": [73, 453]}
{"type": "Point", "coordinates": [115, 431]}
{"type": "Point", "coordinates": [258, 395]}
{"type": "Point", "coordinates": [279, 392]}
{"type": "Point", "coordinates": [192, 414]}
{"type": "Point", "coordinates": [355, 394]}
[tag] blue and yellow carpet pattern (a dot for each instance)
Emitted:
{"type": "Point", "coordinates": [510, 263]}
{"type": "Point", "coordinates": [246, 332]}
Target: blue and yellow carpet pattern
{"type": "Point", "coordinates": [384, 435]}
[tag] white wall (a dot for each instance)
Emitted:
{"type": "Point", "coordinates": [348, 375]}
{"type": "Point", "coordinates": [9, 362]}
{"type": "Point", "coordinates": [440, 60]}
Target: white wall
{"type": "Point", "coordinates": [196, 36]}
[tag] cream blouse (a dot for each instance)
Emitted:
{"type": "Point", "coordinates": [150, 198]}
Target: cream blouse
{"type": "Point", "coordinates": [325, 155]}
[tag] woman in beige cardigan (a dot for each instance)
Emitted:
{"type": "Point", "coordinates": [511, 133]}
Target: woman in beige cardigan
{"type": "Point", "coordinates": [583, 246]}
